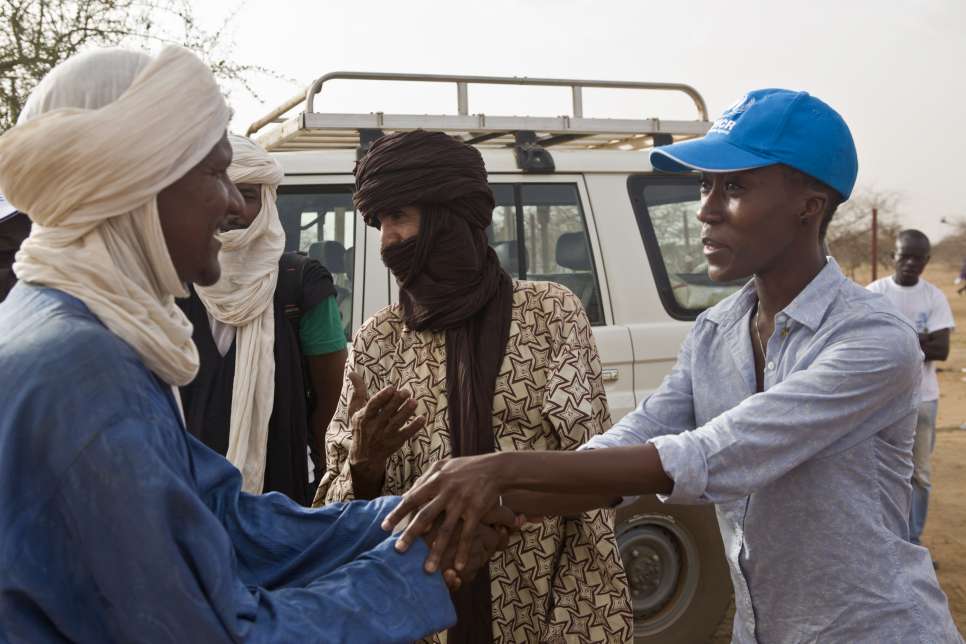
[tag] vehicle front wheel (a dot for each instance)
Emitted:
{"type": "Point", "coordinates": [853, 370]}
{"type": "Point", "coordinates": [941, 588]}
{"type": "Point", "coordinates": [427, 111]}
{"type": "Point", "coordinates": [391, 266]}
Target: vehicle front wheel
{"type": "Point", "coordinates": [676, 569]}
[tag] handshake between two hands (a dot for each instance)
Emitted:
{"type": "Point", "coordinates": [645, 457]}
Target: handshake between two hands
{"type": "Point", "coordinates": [455, 507]}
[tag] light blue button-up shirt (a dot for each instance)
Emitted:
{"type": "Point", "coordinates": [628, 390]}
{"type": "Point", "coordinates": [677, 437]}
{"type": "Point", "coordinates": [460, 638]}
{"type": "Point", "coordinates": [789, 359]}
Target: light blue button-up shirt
{"type": "Point", "coordinates": [811, 478]}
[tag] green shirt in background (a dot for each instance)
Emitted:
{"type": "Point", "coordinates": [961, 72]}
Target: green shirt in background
{"type": "Point", "coordinates": [320, 330]}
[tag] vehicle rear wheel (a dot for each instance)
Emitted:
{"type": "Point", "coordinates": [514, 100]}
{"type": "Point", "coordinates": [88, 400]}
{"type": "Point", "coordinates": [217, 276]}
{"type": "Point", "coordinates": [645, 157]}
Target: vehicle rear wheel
{"type": "Point", "coordinates": [676, 570]}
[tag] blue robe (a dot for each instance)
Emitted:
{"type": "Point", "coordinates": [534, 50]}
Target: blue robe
{"type": "Point", "coordinates": [117, 525]}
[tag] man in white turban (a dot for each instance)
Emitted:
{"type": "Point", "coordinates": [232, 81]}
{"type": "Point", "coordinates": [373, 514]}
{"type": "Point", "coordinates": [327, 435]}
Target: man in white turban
{"type": "Point", "coordinates": [118, 525]}
{"type": "Point", "coordinates": [252, 329]}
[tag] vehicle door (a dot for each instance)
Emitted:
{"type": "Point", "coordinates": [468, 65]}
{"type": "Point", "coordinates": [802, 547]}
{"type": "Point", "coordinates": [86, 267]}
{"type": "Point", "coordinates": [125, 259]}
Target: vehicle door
{"type": "Point", "coordinates": [665, 210]}
{"type": "Point", "coordinates": [544, 230]}
{"type": "Point", "coordinates": [654, 264]}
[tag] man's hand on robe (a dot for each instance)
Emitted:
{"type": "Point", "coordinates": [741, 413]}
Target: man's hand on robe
{"type": "Point", "coordinates": [380, 426]}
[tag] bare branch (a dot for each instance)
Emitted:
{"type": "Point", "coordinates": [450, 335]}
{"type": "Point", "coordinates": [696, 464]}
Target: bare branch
{"type": "Point", "coordinates": [850, 233]}
{"type": "Point", "coordinates": [36, 35]}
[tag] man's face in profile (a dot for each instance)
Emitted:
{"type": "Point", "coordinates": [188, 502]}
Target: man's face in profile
{"type": "Point", "coordinates": [398, 226]}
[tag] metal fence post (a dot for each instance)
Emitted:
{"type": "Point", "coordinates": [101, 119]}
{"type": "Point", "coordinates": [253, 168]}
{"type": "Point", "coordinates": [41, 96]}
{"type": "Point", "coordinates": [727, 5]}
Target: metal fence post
{"type": "Point", "coordinates": [875, 243]}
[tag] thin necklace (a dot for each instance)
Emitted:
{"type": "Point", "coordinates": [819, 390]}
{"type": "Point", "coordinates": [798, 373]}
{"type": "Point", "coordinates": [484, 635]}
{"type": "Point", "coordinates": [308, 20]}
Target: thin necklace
{"type": "Point", "coordinates": [761, 345]}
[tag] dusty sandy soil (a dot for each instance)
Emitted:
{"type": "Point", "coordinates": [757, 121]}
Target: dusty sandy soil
{"type": "Point", "coordinates": [946, 525]}
{"type": "Point", "coordinates": [945, 533]}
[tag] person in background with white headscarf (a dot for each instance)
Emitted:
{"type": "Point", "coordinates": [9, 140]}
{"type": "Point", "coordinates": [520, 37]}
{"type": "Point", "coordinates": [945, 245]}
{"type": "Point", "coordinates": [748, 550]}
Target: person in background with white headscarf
{"type": "Point", "coordinates": [248, 401]}
{"type": "Point", "coordinates": [116, 525]}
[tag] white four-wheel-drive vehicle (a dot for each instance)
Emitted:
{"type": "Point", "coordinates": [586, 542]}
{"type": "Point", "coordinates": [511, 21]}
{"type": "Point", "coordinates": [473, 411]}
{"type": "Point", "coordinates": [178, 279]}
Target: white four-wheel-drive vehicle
{"type": "Point", "coordinates": [578, 204]}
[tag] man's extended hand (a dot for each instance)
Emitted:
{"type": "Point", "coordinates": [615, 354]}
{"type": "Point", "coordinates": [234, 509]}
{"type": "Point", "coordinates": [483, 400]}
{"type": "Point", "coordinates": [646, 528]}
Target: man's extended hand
{"type": "Point", "coordinates": [379, 428]}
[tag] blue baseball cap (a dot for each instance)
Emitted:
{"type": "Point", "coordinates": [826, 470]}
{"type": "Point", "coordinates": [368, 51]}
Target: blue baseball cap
{"type": "Point", "coordinates": [769, 126]}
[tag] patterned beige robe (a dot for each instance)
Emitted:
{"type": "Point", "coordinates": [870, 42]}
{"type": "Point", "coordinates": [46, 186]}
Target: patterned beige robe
{"type": "Point", "coordinates": [560, 580]}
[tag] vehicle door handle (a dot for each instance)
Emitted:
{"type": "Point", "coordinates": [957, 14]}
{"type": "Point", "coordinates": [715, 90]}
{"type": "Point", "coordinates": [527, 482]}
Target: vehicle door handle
{"type": "Point", "coordinates": [610, 375]}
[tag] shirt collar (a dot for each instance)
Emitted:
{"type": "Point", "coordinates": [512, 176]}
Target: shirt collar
{"type": "Point", "coordinates": [808, 308]}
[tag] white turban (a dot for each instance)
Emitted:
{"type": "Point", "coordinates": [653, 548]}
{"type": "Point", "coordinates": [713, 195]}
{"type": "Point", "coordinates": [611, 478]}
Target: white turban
{"type": "Point", "coordinates": [102, 135]}
{"type": "Point", "coordinates": [243, 299]}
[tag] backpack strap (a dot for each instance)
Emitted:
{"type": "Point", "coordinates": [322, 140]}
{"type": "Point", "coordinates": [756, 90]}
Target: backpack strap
{"type": "Point", "coordinates": [291, 270]}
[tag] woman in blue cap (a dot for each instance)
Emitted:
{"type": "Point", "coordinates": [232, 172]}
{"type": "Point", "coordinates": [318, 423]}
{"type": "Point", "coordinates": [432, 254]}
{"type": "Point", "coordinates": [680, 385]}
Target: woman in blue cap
{"type": "Point", "coordinates": [792, 405]}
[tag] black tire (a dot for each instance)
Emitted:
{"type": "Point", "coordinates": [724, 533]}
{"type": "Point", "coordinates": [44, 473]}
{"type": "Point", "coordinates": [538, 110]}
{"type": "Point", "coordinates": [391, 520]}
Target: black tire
{"type": "Point", "coordinates": [676, 569]}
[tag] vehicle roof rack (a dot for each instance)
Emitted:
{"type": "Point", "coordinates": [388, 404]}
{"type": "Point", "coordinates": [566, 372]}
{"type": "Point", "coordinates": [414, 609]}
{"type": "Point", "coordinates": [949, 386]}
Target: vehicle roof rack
{"type": "Point", "coordinates": [313, 130]}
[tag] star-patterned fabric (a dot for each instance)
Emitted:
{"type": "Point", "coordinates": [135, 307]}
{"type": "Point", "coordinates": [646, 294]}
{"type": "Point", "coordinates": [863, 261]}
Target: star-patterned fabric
{"type": "Point", "coordinates": [560, 580]}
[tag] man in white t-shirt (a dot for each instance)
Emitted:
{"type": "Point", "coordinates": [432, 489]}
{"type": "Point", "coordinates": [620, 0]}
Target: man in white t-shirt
{"type": "Point", "coordinates": [927, 309]}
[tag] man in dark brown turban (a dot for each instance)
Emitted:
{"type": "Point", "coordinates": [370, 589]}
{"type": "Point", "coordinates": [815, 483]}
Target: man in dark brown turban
{"type": "Point", "coordinates": [488, 364]}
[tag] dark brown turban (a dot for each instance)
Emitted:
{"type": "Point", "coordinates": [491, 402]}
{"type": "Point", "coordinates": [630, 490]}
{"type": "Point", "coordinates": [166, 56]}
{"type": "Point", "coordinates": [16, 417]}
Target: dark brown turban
{"type": "Point", "coordinates": [449, 280]}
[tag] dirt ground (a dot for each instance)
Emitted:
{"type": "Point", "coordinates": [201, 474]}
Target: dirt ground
{"type": "Point", "coordinates": [945, 533]}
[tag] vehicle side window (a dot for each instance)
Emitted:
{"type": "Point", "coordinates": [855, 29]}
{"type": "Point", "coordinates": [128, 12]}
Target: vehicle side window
{"type": "Point", "coordinates": [666, 209]}
{"type": "Point", "coordinates": [503, 232]}
{"type": "Point", "coordinates": [320, 222]}
{"type": "Point", "coordinates": [547, 217]}
{"type": "Point", "coordinates": [549, 220]}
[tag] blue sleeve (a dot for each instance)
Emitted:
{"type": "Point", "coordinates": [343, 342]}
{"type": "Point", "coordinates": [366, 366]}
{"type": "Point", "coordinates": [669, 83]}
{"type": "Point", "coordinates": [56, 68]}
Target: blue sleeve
{"type": "Point", "coordinates": [173, 566]}
{"type": "Point", "coordinates": [278, 542]}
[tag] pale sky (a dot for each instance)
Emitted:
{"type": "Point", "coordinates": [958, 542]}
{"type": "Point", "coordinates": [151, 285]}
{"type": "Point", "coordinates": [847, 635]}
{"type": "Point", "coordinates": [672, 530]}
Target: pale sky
{"type": "Point", "coordinates": [893, 69]}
